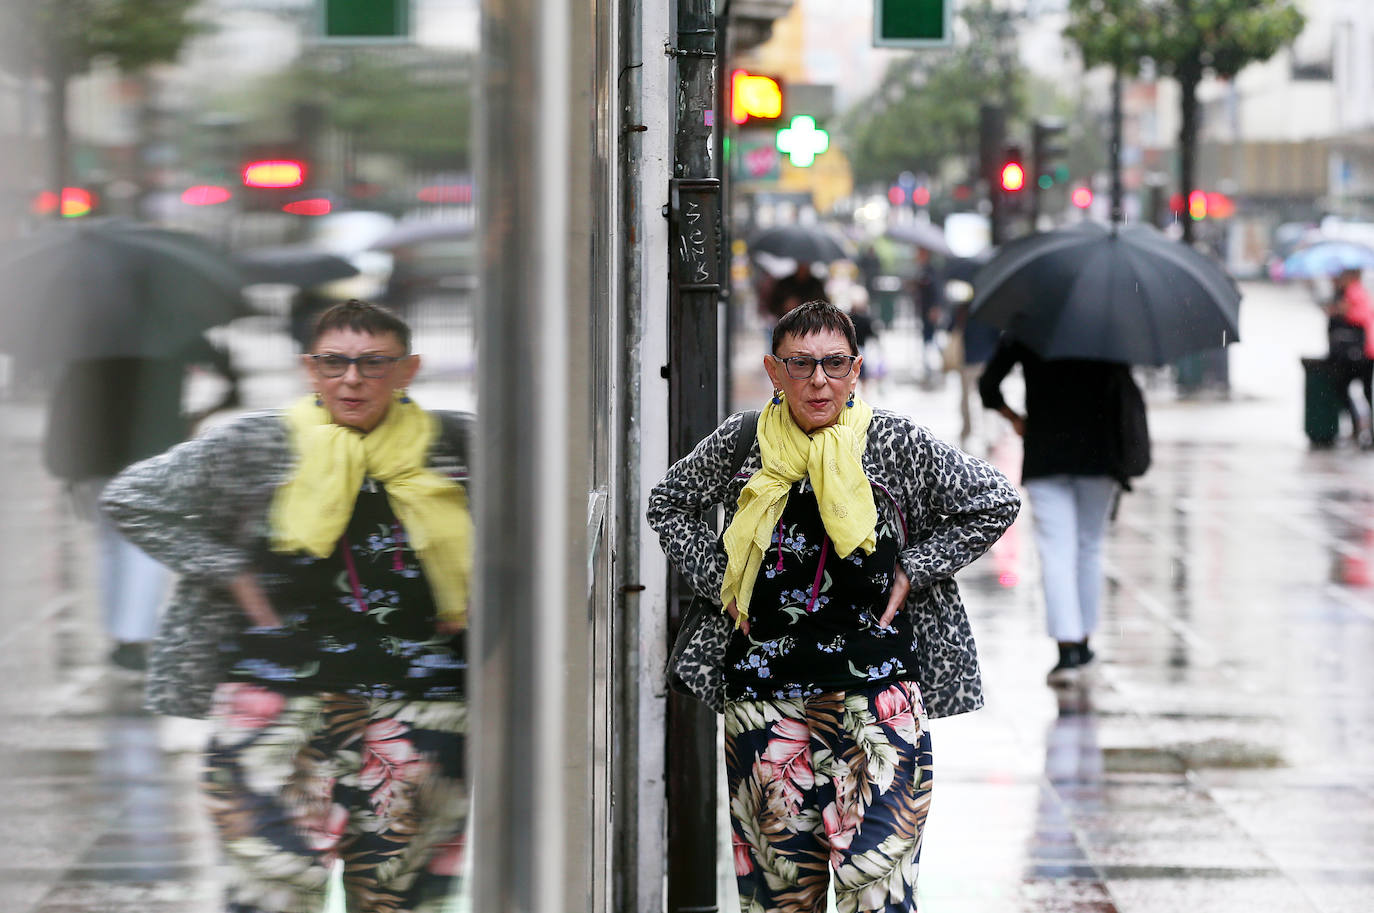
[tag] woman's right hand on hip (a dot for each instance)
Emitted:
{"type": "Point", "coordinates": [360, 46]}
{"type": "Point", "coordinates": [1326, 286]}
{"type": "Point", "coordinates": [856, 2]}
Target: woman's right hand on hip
{"type": "Point", "coordinates": [734, 616]}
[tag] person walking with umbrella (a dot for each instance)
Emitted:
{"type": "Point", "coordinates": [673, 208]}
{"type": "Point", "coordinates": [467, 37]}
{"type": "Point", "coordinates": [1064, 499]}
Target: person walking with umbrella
{"type": "Point", "coordinates": [1076, 461]}
{"type": "Point", "coordinates": [121, 307]}
{"type": "Point", "coordinates": [1080, 305]}
{"type": "Point", "coordinates": [106, 414]}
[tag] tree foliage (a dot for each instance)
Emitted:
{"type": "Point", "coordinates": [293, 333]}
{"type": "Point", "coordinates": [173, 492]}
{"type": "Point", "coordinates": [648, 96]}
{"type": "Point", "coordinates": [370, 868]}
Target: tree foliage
{"type": "Point", "coordinates": [1218, 36]}
{"type": "Point", "coordinates": [62, 38]}
{"type": "Point", "coordinates": [71, 34]}
{"type": "Point", "coordinates": [1185, 39]}
{"type": "Point", "coordinates": [925, 110]}
{"type": "Point", "coordinates": [415, 105]}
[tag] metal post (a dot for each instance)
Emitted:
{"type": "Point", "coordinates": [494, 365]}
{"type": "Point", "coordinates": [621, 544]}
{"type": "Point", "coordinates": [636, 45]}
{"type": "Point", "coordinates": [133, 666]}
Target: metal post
{"type": "Point", "coordinates": [1116, 146]}
{"type": "Point", "coordinates": [529, 716]}
{"type": "Point", "coordinates": [693, 412]}
{"type": "Point", "coordinates": [992, 129]}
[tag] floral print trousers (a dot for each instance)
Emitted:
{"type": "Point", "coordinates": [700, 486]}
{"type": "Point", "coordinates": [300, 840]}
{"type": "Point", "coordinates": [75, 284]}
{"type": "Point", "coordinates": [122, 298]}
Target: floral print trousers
{"type": "Point", "coordinates": [838, 782]}
{"type": "Point", "coordinates": [298, 782]}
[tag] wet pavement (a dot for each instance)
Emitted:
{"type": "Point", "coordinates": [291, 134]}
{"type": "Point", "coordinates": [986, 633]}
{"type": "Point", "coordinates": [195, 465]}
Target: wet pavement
{"type": "Point", "coordinates": [1219, 758]}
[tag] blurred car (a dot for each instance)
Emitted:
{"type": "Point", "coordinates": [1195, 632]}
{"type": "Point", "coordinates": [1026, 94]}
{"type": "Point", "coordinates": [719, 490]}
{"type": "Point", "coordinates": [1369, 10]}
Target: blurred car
{"type": "Point", "coordinates": [350, 234]}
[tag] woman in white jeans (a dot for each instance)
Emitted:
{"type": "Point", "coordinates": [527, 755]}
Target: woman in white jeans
{"type": "Point", "coordinates": [1073, 470]}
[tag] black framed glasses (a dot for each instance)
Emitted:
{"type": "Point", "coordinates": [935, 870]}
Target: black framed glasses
{"type": "Point", "coordinates": [800, 367]}
{"type": "Point", "coordinates": [374, 366]}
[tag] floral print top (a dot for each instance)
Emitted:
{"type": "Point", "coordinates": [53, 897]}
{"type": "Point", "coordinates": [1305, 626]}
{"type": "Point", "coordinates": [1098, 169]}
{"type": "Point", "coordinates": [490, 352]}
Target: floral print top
{"type": "Point", "coordinates": [814, 617]}
{"type": "Point", "coordinates": [361, 621]}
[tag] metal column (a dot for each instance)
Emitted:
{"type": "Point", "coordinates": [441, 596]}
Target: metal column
{"type": "Point", "coordinates": [530, 745]}
{"type": "Point", "coordinates": [693, 404]}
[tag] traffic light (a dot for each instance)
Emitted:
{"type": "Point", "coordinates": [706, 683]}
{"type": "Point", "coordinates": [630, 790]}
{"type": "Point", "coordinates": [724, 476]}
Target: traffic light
{"type": "Point", "coordinates": [992, 134]}
{"type": "Point", "coordinates": [1013, 177]}
{"type": "Point", "coordinates": [1197, 205]}
{"type": "Point", "coordinates": [1082, 197]}
{"type": "Point", "coordinates": [755, 98]}
{"type": "Point", "coordinates": [76, 202]}
{"type": "Point", "coordinates": [1045, 150]}
{"type": "Point", "coordinates": [1012, 174]}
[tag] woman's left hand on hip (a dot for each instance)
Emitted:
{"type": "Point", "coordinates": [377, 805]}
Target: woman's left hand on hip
{"type": "Point", "coordinates": [901, 585]}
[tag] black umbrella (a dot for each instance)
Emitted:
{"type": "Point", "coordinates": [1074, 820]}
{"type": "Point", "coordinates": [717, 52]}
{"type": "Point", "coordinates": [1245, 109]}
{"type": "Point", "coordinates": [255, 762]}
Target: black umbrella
{"type": "Point", "coordinates": [921, 234]}
{"type": "Point", "coordinates": [1126, 294]}
{"type": "Point", "coordinates": [423, 231]}
{"type": "Point", "coordinates": [965, 268]}
{"type": "Point", "coordinates": [293, 265]}
{"type": "Point", "coordinates": [105, 288]}
{"type": "Point", "coordinates": [803, 243]}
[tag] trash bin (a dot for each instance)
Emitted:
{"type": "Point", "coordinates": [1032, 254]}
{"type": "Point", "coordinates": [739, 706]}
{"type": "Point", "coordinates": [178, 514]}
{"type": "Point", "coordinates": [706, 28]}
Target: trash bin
{"type": "Point", "coordinates": [1322, 401]}
{"type": "Point", "coordinates": [885, 291]}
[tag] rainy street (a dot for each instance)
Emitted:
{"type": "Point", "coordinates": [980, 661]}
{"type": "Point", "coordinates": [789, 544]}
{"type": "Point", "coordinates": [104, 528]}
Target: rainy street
{"type": "Point", "coordinates": [1218, 758]}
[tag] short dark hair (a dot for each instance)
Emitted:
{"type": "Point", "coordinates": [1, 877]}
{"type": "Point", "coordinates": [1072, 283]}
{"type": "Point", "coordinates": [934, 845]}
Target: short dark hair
{"type": "Point", "coordinates": [815, 317]}
{"type": "Point", "coordinates": [361, 317]}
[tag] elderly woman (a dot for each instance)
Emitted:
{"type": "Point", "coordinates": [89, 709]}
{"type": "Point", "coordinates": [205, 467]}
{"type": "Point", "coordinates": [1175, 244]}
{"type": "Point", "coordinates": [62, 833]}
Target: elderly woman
{"type": "Point", "coordinates": [845, 526]}
{"type": "Point", "coordinates": [324, 556]}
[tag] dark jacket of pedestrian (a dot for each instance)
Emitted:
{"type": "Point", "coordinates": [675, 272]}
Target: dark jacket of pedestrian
{"type": "Point", "coordinates": [108, 413]}
{"type": "Point", "coordinates": [1085, 436]}
{"type": "Point", "coordinates": [1073, 420]}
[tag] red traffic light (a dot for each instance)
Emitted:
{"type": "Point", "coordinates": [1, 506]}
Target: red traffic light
{"type": "Point", "coordinates": [274, 173]}
{"type": "Point", "coordinates": [1013, 177]}
{"type": "Point", "coordinates": [1197, 205]}
{"type": "Point", "coordinates": [1082, 197]}
{"type": "Point", "coordinates": [896, 195]}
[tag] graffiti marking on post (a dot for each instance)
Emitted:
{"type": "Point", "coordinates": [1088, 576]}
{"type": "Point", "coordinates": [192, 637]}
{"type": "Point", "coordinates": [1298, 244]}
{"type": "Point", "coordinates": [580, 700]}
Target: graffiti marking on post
{"type": "Point", "coordinates": [696, 221]}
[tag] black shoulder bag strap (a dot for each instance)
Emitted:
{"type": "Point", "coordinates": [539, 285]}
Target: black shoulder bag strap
{"type": "Point", "coordinates": [748, 430]}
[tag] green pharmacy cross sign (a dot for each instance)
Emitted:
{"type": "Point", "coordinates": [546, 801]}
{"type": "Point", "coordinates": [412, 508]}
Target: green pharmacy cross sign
{"type": "Point", "coordinates": [912, 23]}
{"type": "Point", "coordinates": [802, 141]}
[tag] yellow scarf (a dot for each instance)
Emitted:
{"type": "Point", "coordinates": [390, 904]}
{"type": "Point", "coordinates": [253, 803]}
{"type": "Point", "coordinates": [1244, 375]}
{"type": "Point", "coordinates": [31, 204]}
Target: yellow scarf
{"type": "Point", "coordinates": [831, 457]}
{"type": "Point", "coordinates": [311, 510]}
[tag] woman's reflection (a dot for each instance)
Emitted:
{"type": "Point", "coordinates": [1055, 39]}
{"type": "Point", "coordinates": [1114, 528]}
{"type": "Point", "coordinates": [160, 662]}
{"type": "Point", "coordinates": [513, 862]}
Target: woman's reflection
{"type": "Point", "coordinates": [325, 555]}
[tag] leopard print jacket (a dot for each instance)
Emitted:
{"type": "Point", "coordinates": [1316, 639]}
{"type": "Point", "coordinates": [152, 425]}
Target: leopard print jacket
{"type": "Point", "coordinates": [949, 507]}
{"type": "Point", "coordinates": [201, 509]}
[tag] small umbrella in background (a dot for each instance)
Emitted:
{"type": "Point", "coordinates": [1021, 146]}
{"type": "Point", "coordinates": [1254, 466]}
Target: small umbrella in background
{"type": "Point", "coordinates": [1327, 257]}
{"type": "Point", "coordinates": [1121, 294]}
{"type": "Point", "coordinates": [921, 234]}
{"type": "Point", "coordinates": [422, 231]}
{"type": "Point", "coordinates": [105, 288]}
{"type": "Point", "coordinates": [803, 243]}
{"type": "Point", "coordinates": [293, 265]}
